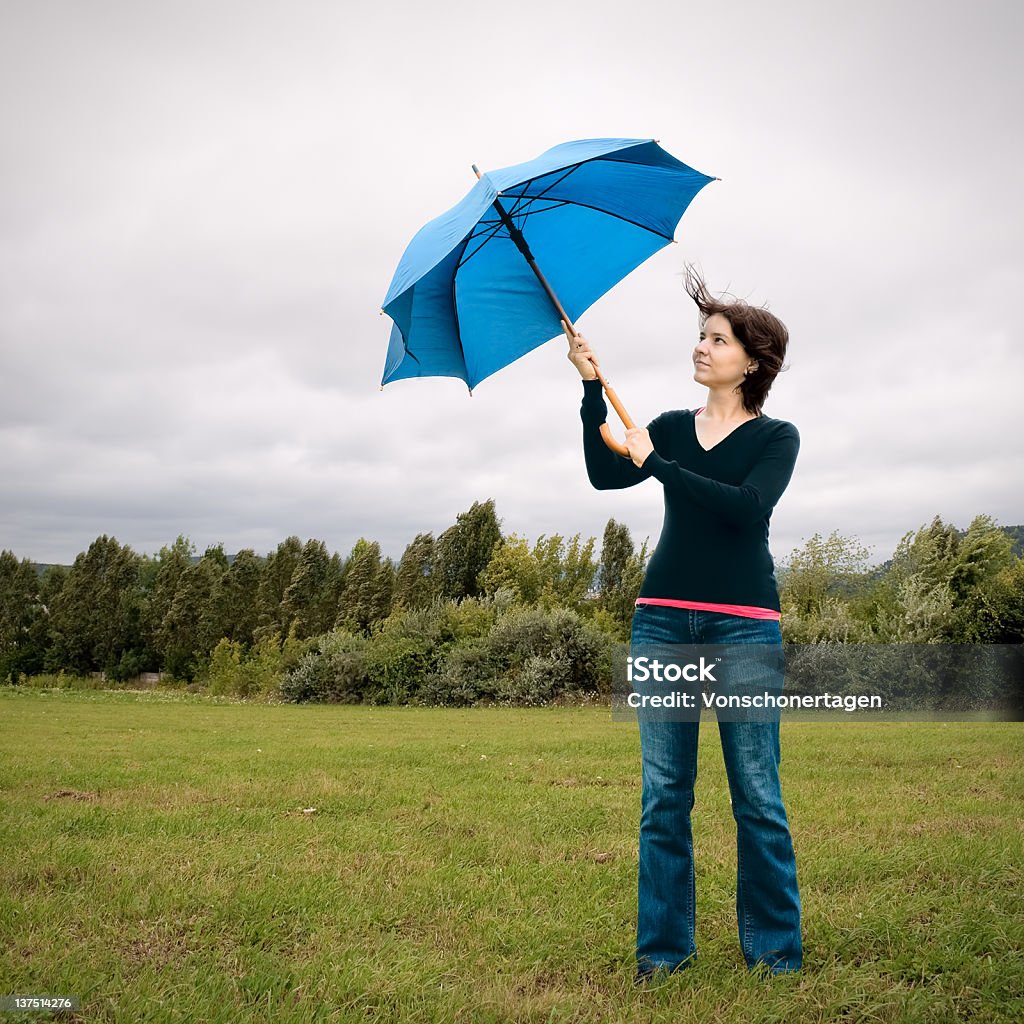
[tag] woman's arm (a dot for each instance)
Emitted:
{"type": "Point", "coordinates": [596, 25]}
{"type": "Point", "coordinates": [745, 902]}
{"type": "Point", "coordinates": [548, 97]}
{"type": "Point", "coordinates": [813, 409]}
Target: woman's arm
{"type": "Point", "coordinates": [748, 502]}
{"type": "Point", "coordinates": [606, 469]}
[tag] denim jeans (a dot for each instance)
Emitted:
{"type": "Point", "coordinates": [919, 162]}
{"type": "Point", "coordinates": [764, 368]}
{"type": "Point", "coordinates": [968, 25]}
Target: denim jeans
{"type": "Point", "coordinates": [767, 898]}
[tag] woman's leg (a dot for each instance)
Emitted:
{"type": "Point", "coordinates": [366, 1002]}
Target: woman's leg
{"type": "Point", "coordinates": [767, 895]}
{"type": "Point", "coordinates": [666, 895]}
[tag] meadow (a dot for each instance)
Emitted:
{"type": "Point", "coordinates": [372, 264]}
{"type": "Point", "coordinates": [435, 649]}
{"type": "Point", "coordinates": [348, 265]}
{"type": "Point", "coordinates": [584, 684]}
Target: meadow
{"type": "Point", "coordinates": [176, 857]}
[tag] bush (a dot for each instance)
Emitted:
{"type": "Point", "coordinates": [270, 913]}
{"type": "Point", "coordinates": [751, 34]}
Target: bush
{"type": "Point", "coordinates": [457, 653]}
{"type": "Point", "coordinates": [396, 667]}
{"type": "Point", "coordinates": [335, 671]}
{"type": "Point", "coordinates": [234, 672]}
{"type": "Point", "coordinates": [530, 656]}
{"type": "Point", "coordinates": [468, 675]}
{"type": "Point", "coordinates": [833, 621]}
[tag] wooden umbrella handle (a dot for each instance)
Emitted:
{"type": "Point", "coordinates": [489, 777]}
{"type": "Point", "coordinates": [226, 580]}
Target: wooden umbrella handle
{"type": "Point", "coordinates": [606, 436]}
{"type": "Point", "coordinates": [627, 422]}
{"type": "Point", "coordinates": [606, 431]}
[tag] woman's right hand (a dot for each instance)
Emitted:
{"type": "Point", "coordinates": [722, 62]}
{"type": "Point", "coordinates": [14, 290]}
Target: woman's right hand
{"type": "Point", "coordinates": [580, 353]}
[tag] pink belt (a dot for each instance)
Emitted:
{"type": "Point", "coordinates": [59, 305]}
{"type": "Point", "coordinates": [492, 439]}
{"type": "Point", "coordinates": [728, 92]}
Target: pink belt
{"type": "Point", "coordinates": [746, 610]}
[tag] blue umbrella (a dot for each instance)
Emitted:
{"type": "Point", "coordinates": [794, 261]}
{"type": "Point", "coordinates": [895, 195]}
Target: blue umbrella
{"type": "Point", "coordinates": [470, 295]}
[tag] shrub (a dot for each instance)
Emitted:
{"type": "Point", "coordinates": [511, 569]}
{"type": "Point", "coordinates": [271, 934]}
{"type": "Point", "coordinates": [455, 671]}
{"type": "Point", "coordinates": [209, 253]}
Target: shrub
{"type": "Point", "coordinates": [530, 656]}
{"type": "Point", "coordinates": [334, 671]}
{"type": "Point", "coordinates": [466, 676]}
{"type": "Point", "coordinates": [458, 653]}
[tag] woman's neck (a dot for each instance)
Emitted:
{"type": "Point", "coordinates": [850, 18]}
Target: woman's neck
{"type": "Point", "coordinates": [725, 408]}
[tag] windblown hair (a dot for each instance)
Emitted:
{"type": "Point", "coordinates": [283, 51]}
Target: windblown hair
{"type": "Point", "coordinates": [763, 336]}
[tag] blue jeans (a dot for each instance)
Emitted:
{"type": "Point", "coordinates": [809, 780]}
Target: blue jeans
{"type": "Point", "coordinates": [767, 898]}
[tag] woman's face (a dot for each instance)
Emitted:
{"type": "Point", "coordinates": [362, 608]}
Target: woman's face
{"type": "Point", "coordinates": [719, 360]}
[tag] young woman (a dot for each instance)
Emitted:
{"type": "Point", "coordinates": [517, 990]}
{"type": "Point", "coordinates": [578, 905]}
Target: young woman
{"type": "Point", "coordinates": [711, 580]}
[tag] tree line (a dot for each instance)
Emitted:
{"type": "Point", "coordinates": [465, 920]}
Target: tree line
{"type": "Point", "coordinates": [289, 619]}
{"type": "Point", "coordinates": [121, 613]}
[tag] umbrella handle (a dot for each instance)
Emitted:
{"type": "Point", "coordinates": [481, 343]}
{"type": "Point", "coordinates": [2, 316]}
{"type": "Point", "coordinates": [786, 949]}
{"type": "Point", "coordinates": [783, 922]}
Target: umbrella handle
{"type": "Point", "coordinates": [627, 422]}
{"type": "Point", "coordinates": [606, 436]}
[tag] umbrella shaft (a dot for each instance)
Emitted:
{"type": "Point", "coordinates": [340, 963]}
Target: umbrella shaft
{"type": "Point", "coordinates": [517, 236]}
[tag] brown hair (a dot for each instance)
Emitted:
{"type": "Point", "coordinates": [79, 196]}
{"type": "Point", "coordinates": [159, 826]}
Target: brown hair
{"type": "Point", "coordinates": [764, 337]}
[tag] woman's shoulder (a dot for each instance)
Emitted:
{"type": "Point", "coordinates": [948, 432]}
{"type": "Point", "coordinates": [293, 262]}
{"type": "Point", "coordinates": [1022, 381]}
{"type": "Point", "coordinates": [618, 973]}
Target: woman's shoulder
{"type": "Point", "coordinates": [671, 424]}
{"type": "Point", "coordinates": [671, 416]}
{"type": "Point", "coordinates": [779, 428]}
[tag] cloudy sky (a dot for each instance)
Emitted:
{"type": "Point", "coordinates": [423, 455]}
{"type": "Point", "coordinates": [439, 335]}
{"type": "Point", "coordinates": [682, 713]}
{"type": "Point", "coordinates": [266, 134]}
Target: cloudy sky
{"type": "Point", "coordinates": [203, 203]}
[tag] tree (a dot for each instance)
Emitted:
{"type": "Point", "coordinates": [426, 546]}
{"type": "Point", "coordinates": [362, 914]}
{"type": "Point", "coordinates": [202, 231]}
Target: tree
{"type": "Point", "coordinates": [513, 568]}
{"type": "Point", "coordinates": [553, 573]}
{"type": "Point", "coordinates": [984, 552]}
{"type": "Point", "coordinates": [276, 578]}
{"type": "Point", "coordinates": [464, 550]}
{"type": "Point", "coordinates": [19, 607]}
{"type": "Point", "coordinates": [366, 598]}
{"type": "Point", "coordinates": [241, 588]}
{"type": "Point", "coordinates": [566, 570]}
{"type": "Point", "coordinates": [620, 572]}
{"type": "Point", "coordinates": [96, 619]}
{"type": "Point", "coordinates": [415, 584]}
{"type": "Point", "coordinates": [1000, 617]}
{"type": "Point", "coordinates": [311, 602]}
{"type": "Point", "coordinates": [36, 646]}
{"type": "Point", "coordinates": [165, 572]}
{"type": "Point", "coordinates": [934, 590]}
{"type": "Point", "coordinates": [820, 569]}
{"type": "Point", "coordinates": [195, 621]}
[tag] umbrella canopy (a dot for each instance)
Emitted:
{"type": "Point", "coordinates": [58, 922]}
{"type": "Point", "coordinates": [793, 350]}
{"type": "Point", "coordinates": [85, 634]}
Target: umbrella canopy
{"type": "Point", "coordinates": [465, 302]}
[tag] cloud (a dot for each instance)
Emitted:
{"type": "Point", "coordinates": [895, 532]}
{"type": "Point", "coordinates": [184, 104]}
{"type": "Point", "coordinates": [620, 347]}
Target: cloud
{"type": "Point", "coordinates": [203, 206]}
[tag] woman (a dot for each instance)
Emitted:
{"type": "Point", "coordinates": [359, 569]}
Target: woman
{"type": "Point", "coordinates": [710, 581]}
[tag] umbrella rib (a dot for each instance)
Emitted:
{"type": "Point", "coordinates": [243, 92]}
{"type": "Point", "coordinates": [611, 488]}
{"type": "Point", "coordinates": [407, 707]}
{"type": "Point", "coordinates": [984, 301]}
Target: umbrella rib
{"type": "Point", "coordinates": [541, 194]}
{"type": "Point", "coordinates": [496, 232]}
{"type": "Point", "coordinates": [617, 216]}
{"type": "Point", "coordinates": [485, 235]}
{"type": "Point", "coordinates": [518, 209]}
{"type": "Point", "coordinates": [573, 202]}
{"type": "Point", "coordinates": [521, 200]}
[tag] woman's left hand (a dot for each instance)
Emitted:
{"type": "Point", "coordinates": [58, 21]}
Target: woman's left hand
{"type": "Point", "coordinates": [638, 441]}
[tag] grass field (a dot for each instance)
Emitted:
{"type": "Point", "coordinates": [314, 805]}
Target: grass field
{"type": "Point", "coordinates": [163, 861]}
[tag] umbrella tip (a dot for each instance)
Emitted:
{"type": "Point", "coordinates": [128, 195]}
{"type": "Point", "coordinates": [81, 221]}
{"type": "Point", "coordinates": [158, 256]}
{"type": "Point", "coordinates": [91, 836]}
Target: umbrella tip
{"type": "Point", "coordinates": [470, 392]}
{"type": "Point", "coordinates": [381, 388]}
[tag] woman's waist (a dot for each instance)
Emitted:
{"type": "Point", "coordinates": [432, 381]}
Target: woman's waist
{"type": "Point", "coordinates": [745, 611]}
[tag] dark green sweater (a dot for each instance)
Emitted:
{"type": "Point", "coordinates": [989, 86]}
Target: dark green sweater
{"type": "Point", "coordinates": [718, 503]}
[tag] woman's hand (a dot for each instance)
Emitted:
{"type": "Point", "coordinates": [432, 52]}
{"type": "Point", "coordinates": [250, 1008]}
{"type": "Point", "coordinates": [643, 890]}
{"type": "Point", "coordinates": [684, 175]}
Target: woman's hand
{"type": "Point", "coordinates": [580, 354]}
{"type": "Point", "coordinates": [638, 441]}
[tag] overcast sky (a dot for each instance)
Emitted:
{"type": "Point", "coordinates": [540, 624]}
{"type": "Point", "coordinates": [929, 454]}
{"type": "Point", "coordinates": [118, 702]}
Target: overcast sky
{"type": "Point", "coordinates": [203, 204]}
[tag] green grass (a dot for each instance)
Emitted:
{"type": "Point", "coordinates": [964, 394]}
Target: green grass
{"type": "Point", "coordinates": [480, 865]}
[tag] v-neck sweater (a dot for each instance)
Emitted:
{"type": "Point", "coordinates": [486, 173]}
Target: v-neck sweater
{"type": "Point", "coordinates": [713, 551]}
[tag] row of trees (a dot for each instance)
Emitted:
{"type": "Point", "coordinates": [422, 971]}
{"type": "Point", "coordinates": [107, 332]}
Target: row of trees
{"type": "Point", "coordinates": [121, 613]}
{"type": "Point", "coordinates": [941, 586]}
{"type": "Point", "coordinates": [255, 618]}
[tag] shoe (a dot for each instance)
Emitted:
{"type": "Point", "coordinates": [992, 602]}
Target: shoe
{"type": "Point", "coordinates": [646, 973]}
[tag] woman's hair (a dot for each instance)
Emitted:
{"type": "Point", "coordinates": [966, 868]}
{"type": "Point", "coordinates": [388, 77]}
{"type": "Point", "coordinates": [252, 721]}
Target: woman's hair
{"type": "Point", "coordinates": [763, 336]}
